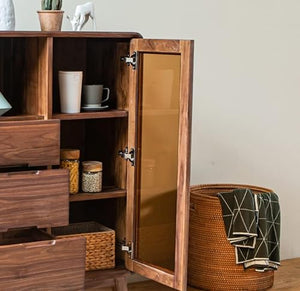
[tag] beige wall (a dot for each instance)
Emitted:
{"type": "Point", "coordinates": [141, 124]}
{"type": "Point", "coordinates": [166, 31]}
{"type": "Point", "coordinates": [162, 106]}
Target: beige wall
{"type": "Point", "coordinates": [246, 117]}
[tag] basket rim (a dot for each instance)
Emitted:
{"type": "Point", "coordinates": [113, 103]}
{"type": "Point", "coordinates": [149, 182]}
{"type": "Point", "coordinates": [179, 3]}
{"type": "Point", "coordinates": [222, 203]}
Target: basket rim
{"type": "Point", "coordinates": [223, 187]}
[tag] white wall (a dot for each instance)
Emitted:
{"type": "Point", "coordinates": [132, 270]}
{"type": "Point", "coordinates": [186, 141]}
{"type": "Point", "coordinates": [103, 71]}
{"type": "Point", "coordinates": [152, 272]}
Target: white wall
{"type": "Point", "coordinates": [246, 117]}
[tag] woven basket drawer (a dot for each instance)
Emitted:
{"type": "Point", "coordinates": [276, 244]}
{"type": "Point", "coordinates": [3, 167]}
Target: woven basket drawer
{"type": "Point", "coordinates": [100, 243]}
{"type": "Point", "coordinates": [34, 260]}
{"type": "Point", "coordinates": [211, 260]}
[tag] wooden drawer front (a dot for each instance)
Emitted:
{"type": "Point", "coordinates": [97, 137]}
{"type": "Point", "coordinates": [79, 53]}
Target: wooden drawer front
{"type": "Point", "coordinates": [33, 143]}
{"type": "Point", "coordinates": [34, 199]}
{"type": "Point", "coordinates": [38, 262]}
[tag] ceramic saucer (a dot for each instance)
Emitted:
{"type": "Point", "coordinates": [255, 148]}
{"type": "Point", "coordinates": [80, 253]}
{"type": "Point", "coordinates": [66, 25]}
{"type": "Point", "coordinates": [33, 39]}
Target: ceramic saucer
{"type": "Point", "coordinates": [94, 108]}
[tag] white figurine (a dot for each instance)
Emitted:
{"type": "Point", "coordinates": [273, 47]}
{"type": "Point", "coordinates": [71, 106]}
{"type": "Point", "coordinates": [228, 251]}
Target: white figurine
{"type": "Point", "coordinates": [7, 15]}
{"type": "Point", "coordinates": [82, 14]}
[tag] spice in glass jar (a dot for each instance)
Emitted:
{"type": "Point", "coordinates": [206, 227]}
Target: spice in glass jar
{"type": "Point", "coordinates": [91, 176]}
{"type": "Point", "coordinates": [69, 159]}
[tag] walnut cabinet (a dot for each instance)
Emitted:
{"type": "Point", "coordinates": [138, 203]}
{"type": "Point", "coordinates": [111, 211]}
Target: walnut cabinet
{"type": "Point", "coordinates": [143, 140]}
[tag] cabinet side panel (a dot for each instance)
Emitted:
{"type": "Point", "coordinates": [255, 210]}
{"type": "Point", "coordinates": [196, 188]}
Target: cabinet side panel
{"type": "Point", "coordinates": [122, 76]}
{"type": "Point", "coordinates": [121, 138]}
{"type": "Point", "coordinates": [36, 85]}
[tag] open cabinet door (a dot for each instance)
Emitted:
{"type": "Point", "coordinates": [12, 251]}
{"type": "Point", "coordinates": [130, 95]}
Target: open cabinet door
{"type": "Point", "coordinates": [158, 182]}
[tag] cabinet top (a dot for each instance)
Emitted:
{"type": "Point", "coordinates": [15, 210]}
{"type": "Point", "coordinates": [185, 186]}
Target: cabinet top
{"type": "Point", "coordinates": [71, 34]}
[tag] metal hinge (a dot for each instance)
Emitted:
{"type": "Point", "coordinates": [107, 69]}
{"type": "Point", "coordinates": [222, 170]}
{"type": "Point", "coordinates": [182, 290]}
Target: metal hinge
{"type": "Point", "coordinates": [130, 156]}
{"type": "Point", "coordinates": [128, 248]}
{"type": "Point", "coordinates": [130, 60]}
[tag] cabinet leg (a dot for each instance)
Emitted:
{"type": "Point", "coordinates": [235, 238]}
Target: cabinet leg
{"type": "Point", "coordinates": [121, 284]}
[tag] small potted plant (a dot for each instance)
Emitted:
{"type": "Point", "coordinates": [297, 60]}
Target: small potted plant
{"type": "Point", "coordinates": [51, 15]}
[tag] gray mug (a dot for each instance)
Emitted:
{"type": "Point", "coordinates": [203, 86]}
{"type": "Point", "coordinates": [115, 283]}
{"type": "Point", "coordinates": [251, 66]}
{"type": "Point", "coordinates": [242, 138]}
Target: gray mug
{"type": "Point", "coordinates": [93, 95]}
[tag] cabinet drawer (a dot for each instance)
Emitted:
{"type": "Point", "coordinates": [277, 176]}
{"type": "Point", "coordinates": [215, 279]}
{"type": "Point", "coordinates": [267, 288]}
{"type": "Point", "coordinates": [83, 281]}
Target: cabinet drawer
{"type": "Point", "coordinates": [33, 260]}
{"type": "Point", "coordinates": [33, 143]}
{"type": "Point", "coordinates": [34, 198]}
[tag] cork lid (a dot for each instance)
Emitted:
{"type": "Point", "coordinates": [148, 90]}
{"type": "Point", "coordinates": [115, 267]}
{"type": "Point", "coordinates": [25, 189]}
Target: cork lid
{"type": "Point", "coordinates": [91, 166]}
{"type": "Point", "coordinates": [69, 154]}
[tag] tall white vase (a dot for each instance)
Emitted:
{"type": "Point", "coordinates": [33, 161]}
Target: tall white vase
{"type": "Point", "coordinates": [7, 15]}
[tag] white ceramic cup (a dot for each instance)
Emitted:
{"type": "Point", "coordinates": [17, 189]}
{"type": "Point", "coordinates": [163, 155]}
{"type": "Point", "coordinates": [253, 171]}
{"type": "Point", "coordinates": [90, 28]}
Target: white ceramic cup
{"type": "Point", "coordinates": [92, 95]}
{"type": "Point", "coordinates": [70, 85]}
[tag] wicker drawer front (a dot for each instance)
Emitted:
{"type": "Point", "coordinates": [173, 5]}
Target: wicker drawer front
{"type": "Point", "coordinates": [33, 143]}
{"type": "Point", "coordinates": [100, 243]}
{"type": "Point", "coordinates": [33, 260]}
{"type": "Point", "coordinates": [34, 199]}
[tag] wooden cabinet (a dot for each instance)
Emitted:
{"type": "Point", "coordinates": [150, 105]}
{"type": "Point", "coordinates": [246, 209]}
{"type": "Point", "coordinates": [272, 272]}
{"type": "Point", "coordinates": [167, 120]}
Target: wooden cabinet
{"type": "Point", "coordinates": [142, 139]}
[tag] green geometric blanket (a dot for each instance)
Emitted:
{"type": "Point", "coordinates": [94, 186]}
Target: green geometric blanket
{"type": "Point", "coordinates": [252, 225]}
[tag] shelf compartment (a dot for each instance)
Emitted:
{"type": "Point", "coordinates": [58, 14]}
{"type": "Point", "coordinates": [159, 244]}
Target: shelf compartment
{"type": "Point", "coordinates": [107, 193]}
{"type": "Point", "coordinates": [24, 71]}
{"type": "Point", "coordinates": [91, 115]}
{"type": "Point", "coordinates": [100, 61]}
{"type": "Point", "coordinates": [99, 140]}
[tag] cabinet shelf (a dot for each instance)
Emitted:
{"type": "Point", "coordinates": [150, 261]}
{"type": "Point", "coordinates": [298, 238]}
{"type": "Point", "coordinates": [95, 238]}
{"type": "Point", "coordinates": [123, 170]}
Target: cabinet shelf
{"type": "Point", "coordinates": [22, 117]}
{"type": "Point", "coordinates": [107, 193]}
{"type": "Point", "coordinates": [91, 115]}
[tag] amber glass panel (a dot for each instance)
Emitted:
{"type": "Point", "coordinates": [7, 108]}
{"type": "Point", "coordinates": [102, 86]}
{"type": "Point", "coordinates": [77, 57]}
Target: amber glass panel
{"type": "Point", "coordinates": [157, 159]}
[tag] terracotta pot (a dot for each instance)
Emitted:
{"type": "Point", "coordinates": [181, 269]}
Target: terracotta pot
{"type": "Point", "coordinates": [50, 20]}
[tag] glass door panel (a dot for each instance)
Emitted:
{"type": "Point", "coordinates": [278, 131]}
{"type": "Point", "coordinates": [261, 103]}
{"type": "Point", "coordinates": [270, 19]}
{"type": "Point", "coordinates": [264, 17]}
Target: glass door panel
{"type": "Point", "coordinates": [158, 126]}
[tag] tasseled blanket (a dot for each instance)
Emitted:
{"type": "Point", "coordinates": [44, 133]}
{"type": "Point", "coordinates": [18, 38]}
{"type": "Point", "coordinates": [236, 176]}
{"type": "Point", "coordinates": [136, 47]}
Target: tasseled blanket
{"type": "Point", "coordinates": [252, 224]}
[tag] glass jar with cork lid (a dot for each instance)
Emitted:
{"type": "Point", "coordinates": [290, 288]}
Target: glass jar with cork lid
{"type": "Point", "coordinates": [69, 159]}
{"type": "Point", "coordinates": [91, 176]}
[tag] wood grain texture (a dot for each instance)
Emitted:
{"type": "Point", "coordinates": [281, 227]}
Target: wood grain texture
{"type": "Point", "coordinates": [34, 198]}
{"type": "Point", "coordinates": [71, 34]}
{"type": "Point", "coordinates": [105, 194]}
{"type": "Point", "coordinates": [287, 277]}
{"type": "Point", "coordinates": [91, 115]}
{"type": "Point", "coordinates": [43, 265]}
{"type": "Point", "coordinates": [184, 156]}
{"type": "Point", "coordinates": [177, 279]}
{"type": "Point", "coordinates": [37, 74]}
{"type": "Point", "coordinates": [122, 76]}
{"type": "Point", "coordinates": [132, 111]}
{"type": "Point", "coordinates": [157, 45]}
{"type": "Point", "coordinates": [33, 143]}
{"type": "Point", "coordinates": [121, 141]}
{"type": "Point", "coordinates": [115, 279]}
{"type": "Point", "coordinates": [21, 117]}
{"type": "Point", "coordinates": [162, 276]}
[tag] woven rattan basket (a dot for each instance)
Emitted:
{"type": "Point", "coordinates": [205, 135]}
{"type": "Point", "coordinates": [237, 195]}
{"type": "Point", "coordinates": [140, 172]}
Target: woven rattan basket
{"type": "Point", "coordinates": [100, 243]}
{"type": "Point", "coordinates": [211, 261]}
